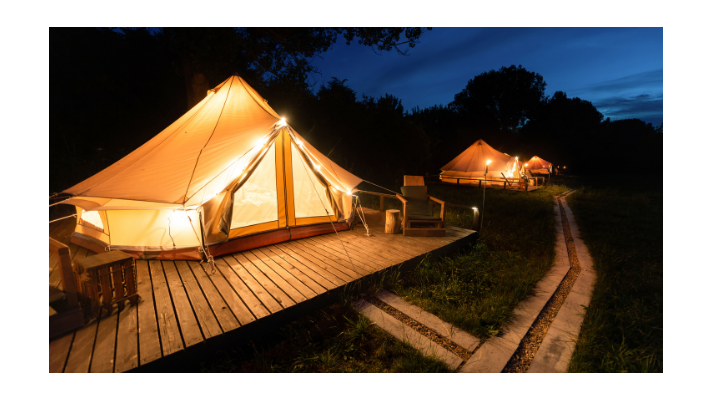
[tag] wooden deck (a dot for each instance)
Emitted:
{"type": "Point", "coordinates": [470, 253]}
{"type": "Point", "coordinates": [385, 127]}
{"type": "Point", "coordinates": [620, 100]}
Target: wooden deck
{"type": "Point", "coordinates": [183, 306]}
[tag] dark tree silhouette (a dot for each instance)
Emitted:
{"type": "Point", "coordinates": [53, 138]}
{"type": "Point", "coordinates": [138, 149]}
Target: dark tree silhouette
{"type": "Point", "coordinates": [501, 101]}
{"type": "Point", "coordinates": [208, 55]}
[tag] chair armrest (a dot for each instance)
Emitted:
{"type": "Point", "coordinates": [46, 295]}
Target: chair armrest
{"type": "Point", "coordinates": [437, 200]}
{"type": "Point", "coordinates": [404, 210]}
{"type": "Point", "coordinates": [442, 211]}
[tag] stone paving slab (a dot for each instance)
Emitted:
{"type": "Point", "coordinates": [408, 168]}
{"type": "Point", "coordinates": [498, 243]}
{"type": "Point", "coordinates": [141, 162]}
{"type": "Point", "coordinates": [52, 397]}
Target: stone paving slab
{"type": "Point", "coordinates": [557, 347]}
{"type": "Point", "coordinates": [445, 329]}
{"type": "Point", "coordinates": [406, 334]}
{"type": "Point", "coordinates": [496, 352]}
{"type": "Point", "coordinates": [491, 357]}
{"type": "Point", "coordinates": [555, 352]}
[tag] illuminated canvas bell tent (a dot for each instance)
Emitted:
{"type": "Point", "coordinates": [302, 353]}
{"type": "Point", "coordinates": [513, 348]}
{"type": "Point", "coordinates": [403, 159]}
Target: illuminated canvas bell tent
{"type": "Point", "coordinates": [537, 165]}
{"type": "Point", "coordinates": [472, 164]}
{"type": "Point", "coordinates": [227, 176]}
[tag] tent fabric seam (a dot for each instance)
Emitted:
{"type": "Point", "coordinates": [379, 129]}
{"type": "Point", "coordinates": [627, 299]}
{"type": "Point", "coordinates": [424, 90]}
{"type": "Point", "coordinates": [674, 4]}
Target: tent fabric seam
{"type": "Point", "coordinates": [148, 152]}
{"type": "Point", "coordinates": [197, 160]}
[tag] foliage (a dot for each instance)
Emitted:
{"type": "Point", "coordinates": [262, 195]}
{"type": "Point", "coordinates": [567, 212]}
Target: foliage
{"type": "Point", "coordinates": [478, 288]}
{"type": "Point", "coordinates": [623, 326]}
{"type": "Point", "coordinates": [336, 339]}
{"type": "Point", "coordinates": [501, 101]}
{"type": "Point", "coordinates": [112, 90]}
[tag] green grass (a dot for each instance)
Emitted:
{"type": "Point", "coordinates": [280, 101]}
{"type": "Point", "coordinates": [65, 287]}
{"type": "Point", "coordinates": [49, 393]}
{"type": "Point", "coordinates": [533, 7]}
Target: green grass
{"type": "Point", "coordinates": [336, 339]}
{"type": "Point", "coordinates": [622, 227]}
{"type": "Point", "coordinates": [478, 288]}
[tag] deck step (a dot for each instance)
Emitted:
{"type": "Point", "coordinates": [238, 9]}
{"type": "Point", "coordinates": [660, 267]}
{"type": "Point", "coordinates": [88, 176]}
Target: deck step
{"type": "Point", "coordinates": [406, 334]}
{"type": "Point", "coordinates": [446, 330]}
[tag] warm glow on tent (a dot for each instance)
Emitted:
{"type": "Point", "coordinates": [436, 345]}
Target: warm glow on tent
{"type": "Point", "coordinates": [93, 218]}
{"type": "Point", "coordinates": [156, 201]}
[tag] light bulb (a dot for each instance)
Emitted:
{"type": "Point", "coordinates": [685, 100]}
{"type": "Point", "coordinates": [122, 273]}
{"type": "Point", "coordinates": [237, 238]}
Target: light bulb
{"type": "Point", "coordinates": [488, 162]}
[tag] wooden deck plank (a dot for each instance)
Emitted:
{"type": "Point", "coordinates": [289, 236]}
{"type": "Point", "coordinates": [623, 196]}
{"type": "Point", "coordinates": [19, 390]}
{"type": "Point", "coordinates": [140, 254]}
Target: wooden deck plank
{"type": "Point", "coordinates": [247, 271]}
{"type": "Point", "coordinates": [293, 287]}
{"type": "Point", "coordinates": [168, 327]}
{"type": "Point", "coordinates": [300, 281]}
{"type": "Point", "coordinates": [389, 251]}
{"type": "Point", "coordinates": [314, 281]}
{"type": "Point", "coordinates": [250, 298]}
{"type": "Point", "coordinates": [148, 336]}
{"type": "Point", "coordinates": [127, 340]}
{"type": "Point", "coordinates": [335, 249]}
{"type": "Point", "coordinates": [59, 351]}
{"type": "Point", "coordinates": [325, 270]}
{"type": "Point", "coordinates": [313, 255]}
{"type": "Point", "coordinates": [370, 249]}
{"type": "Point", "coordinates": [189, 328]}
{"type": "Point", "coordinates": [372, 262]}
{"type": "Point", "coordinates": [103, 359]}
{"type": "Point", "coordinates": [208, 322]}
{"type": "Point", "coordinates": [228, 313]}
{"type": "Point", "coordinates": [337, 257]}
{"type": "Point", "coordinates": [364, 245]}
{"type": "Point", "coordinates": [332, 254]}
{"type": "Point", "coordinates": [82, 348]}
{"type": "Point", "coordinates": [404, 244]}
{"type": "Point", "coordinates": [181, 304]}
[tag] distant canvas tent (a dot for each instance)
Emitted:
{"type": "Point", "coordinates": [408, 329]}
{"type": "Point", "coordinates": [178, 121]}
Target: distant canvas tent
{"type": "Point", "coordinates": [537, 165]}
{"type": "Point", "coordinates": [229, 174]}
{"type": "Point", "coordinates": [472, 163]}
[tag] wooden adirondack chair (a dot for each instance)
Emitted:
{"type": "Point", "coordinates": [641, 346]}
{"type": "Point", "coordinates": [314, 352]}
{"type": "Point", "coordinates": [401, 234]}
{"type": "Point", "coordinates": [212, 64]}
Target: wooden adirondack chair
{"type": "Point", "coordinates": [417, 217]}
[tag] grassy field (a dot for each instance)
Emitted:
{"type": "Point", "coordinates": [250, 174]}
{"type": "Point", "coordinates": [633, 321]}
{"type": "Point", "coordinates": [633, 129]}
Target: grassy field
{"type": "Point", "coordinates": [335, 339]}
{"type": "Point", "coordinates": [622, 227]}
{"type": "Point", "coordinates": [478, 288]}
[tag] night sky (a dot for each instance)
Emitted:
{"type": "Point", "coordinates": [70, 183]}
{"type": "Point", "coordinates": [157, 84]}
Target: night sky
{"type": "Point", "coordinates": [620, 70]}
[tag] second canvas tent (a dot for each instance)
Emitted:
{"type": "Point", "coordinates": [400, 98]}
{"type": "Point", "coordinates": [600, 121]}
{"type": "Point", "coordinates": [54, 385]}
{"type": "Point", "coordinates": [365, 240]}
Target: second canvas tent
{"type": "Point", "coordinates": [469, 167]}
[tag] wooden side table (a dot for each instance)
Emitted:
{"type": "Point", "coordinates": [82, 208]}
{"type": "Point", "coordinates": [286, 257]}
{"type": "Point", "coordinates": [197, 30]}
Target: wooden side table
{"type": "Point", "coordinates": [111, 276]}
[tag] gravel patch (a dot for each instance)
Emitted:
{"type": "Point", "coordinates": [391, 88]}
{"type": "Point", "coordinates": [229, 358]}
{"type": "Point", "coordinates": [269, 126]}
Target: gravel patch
{"type": "Point", "coordinates": [528, 348]}
{"type": "Point", "coordinates": [422, 329]}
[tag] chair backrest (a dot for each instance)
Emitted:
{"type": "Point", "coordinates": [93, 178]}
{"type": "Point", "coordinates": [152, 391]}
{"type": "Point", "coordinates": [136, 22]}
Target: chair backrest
{"type": "Point", "coordinates": [411, 180]}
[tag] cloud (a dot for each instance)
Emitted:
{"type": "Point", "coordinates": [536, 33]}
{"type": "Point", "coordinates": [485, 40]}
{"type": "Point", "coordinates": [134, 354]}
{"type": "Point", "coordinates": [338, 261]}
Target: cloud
{"type": "Point", "coordinates": [647, 107]}
{"type": "Point", "coordinates": [647, 79]}
{"type": "Point", "coordinates": [459, 49]}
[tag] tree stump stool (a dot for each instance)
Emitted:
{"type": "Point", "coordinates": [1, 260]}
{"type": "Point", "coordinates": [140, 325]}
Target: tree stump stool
{"type": "Point", "coordinates": [392, 221]}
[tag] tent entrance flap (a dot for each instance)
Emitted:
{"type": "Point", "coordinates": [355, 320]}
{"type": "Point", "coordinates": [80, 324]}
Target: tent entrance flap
{"type": "Point", "coordinates": [311, 197]}
{"type": "Point", "coordinates": [255, 202]}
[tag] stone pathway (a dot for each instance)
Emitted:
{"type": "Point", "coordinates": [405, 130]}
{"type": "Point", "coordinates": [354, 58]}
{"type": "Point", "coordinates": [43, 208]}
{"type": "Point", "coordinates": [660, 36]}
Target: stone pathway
{"type": "Point", "coordinates": [406, 334]}
{"type": "Point", "coordinates": [540, 338]}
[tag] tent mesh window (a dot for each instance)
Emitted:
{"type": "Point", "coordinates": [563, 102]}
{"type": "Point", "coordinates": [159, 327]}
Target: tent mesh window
{"type": "Point", "coordinates": [256, 201]}
{"type": "Point", "coordinates": [310, 195]}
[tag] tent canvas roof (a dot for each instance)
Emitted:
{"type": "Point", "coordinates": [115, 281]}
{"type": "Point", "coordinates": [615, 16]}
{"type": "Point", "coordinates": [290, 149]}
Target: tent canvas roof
{"type": "Point", "coordinates": [176, 165]}
{"type": "Point", "coordinates": [473, 159]}
{"type": "Point", "coordinates": [537, 163]}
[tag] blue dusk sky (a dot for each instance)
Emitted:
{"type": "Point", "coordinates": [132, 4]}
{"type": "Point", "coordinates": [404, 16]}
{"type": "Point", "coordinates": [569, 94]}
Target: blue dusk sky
{"type": "Point", "coordinates": [620, 70]}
